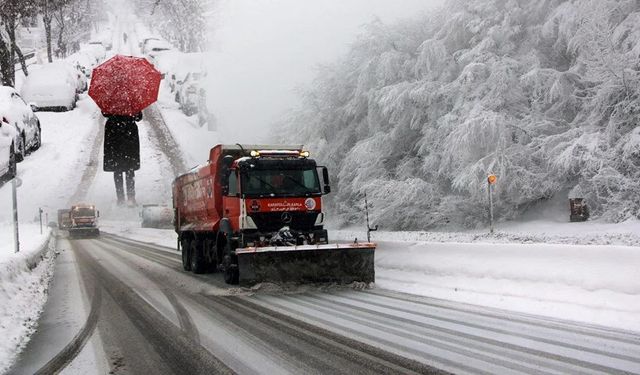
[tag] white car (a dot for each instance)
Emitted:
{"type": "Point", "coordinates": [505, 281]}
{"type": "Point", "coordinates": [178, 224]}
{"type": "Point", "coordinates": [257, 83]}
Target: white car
{"type": "Point", "coordinates": [8, 160]}
{"type": "Point", "coordinates": [86, 61]}
{"type": "Point", "coordinates": [143, 43]}
{"type": "Point", "coordinates": [97, 50]}
{"type": "Point", "coordinates": [77, 76]}
{"type": "Point", "coordinates": [153, 48]}
{"type": "Point", "coordinates": [189, 92]}
{"type": "Point", "coordinates": [103, 40]}
{"type": "Point", "coordinates": [19, 114]}
{"type": "Point", "coordinates": [185, 64]}
{"type": "Point", "coordinates": [166, 62]}
{"type": "Point", "coordinates": [157, 216]}
{"type": "Point", "coordinates": [51, 87]}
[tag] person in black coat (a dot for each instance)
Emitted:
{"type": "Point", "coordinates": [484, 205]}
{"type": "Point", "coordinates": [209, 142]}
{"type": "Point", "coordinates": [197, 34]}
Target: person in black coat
{"type": "Point", "coordinates": [122, 153]}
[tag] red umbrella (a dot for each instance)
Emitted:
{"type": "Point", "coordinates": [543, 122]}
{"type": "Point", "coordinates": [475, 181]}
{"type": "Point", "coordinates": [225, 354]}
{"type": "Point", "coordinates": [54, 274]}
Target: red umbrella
{"type": "Point", "coordinates": [124, 85]}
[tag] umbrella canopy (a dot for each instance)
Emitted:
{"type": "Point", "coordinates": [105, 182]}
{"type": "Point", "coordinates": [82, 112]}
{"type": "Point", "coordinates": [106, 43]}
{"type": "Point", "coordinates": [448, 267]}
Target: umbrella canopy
{"type": "Point", "coordinates": [124, 85]}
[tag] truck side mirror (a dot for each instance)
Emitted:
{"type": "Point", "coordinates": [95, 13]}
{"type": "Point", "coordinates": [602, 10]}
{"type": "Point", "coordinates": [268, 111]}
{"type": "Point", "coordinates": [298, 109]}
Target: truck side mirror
{"type": "Point", "coordinates": [325, 178]}
{"type": "Point", "coordinates": [225, 169]}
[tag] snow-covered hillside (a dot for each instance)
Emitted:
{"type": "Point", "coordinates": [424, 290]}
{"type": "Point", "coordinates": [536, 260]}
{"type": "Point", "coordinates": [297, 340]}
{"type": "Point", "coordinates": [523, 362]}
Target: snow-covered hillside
{"type": "Point", "coordinates": [544, 94]}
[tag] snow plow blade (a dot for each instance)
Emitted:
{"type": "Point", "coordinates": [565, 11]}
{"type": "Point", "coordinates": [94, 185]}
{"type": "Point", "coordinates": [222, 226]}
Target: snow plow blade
{"type": "Point", "coordinates": [338, 263]}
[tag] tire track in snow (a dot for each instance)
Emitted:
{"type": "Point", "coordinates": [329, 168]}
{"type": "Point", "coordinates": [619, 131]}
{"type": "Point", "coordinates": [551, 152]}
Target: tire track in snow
{"type": "Point", "coordinates": [141, 328]}
{"type": "Point", "coordinates": [361, 357]}
{"type": "Point", "coordinates": [520, 318]}
{"type": "Point", "coordinates": [91, 168]}
{"type": "Point", "coordinates": [73, 348]}
{"type": "Point", "coordinates": [184, 318]}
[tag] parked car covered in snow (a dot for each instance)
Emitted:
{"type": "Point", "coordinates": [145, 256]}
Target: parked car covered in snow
{"type": "Point", "coordinates": [76, 75]}
{"type": "Point", "coordinates": [143, 43]}
{"type": "Point", "coordinates": [104, 40]}
{"type": "Point", "coordinates": [51, 87]}
{"type": "Point", "coordinates": [167, 62]}
{"type": "Point", "coordinates": [157, 216]}
{"type": "Point", "coordinates": [184, 64]}
{"type": "Point", "coordinates": [154, 48]}
{"type": "Point", "coordinates": [85, 60]}
{"type": "Point", "coordinates": [17, 113]}
{"type": "Point", "coordinates": [97, 50]}
{"type": "Point", "coordinates": [189, 92]}
{"type": "Point", "coordinates": [8, 160]}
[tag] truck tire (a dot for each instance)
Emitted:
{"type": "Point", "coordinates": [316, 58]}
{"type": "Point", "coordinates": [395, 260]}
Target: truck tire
{"type": "Point", "coordinates": [186, 251]}
{"type": "Point", "coordinates": [231, 274]}
{"type": "Point", "coordinates": [198, 261]}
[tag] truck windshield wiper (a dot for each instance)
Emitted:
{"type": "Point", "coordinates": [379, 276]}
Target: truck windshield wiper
{"type": "Point", "coordinates": [273, 188]}
{"type": "Point", "coordinates": [307, 190]}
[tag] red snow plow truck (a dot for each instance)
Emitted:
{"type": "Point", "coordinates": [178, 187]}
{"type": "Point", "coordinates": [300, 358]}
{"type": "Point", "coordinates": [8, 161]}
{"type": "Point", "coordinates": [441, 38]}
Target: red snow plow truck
{"type": "Point", "coordinates": [255, 213]}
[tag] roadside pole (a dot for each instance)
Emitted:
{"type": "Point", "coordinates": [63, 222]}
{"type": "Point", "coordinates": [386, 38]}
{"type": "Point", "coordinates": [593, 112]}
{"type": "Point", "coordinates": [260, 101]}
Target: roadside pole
{"type": "Point", "coordinates": [366, 210]}
{"type": "Point", "coordinates": [16, 232]}
{"type": "Point", "coordinates": [491, 180]}
{"type": "Point", "coordinates": [40, 212]}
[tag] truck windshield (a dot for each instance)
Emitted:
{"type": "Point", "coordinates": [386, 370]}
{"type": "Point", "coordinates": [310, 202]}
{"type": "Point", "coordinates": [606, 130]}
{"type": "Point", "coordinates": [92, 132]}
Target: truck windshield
{"type": "Point", "coordinates": [288, 182]}
{"type": "Point", "coordinates": [83, 212]}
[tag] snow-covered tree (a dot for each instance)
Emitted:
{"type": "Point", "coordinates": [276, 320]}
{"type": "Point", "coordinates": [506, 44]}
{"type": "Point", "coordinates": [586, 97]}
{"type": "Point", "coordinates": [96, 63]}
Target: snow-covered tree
{"type": "Point", "coordinates": [181, 22]}
{"type": "Point", "coordinates": [544, 94]}
{"type": "Point", "coordinates": [11, 12]}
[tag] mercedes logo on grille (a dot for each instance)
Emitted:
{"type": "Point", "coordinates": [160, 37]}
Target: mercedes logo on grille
{"type": "Point", "coordinates": [286, 217]}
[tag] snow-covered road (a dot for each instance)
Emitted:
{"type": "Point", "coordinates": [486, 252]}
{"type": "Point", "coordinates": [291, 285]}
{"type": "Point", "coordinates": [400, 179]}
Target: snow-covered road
{"type": "Point", "coordinates": [153, 317]}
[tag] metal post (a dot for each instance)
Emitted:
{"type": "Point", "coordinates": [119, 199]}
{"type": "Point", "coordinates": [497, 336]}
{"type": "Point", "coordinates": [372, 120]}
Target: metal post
{"type": "Point", "coordinates": [366, 210]}
{"type": "Point", "coordinates": [490, 187]}
{"type": "Point", "coordinates": [40, 213]}
{"type": "Point", "coordinates": [16, 231]}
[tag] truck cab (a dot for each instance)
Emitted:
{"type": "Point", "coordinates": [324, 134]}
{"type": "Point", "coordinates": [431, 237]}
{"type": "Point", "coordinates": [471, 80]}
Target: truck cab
{"type": "Point", "coordinates": [274, 198]}
{"type": "Point", "coordinates": [84, 220]}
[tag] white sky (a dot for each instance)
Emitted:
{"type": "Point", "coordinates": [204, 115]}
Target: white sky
{"type": "Point", "coordinates": [263, 49]}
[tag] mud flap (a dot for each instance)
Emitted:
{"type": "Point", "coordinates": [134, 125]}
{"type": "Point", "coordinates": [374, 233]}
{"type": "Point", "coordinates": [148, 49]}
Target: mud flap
{"type": "Point", "coordinates": [338, 263]}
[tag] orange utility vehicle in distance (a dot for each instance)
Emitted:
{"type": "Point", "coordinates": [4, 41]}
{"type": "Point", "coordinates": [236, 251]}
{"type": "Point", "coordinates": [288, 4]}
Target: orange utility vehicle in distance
{"type": "Point", "coordinates": [84, 221]}
{"type": "Point", "coordinates": [255, 213]}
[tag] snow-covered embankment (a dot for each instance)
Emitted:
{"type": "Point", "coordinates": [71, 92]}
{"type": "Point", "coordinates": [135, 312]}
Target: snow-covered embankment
{"type": "Point", "coordinates": [596, 284]}
{"type": "Point", "coordinates": [24, 279]}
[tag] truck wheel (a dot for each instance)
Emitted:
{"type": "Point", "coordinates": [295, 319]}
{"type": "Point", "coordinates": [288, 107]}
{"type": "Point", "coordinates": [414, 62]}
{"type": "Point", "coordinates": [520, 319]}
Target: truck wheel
{"type": "Point", "coordinates": [198, 263]}
{"type": "Point", "coordinates": [186, 250]}
{"type": "Point", "coordinates": [231, 274]}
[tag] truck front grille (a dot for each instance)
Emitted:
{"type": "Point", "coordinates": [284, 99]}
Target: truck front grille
{"type": "Point", "coordinates": [273, 221]}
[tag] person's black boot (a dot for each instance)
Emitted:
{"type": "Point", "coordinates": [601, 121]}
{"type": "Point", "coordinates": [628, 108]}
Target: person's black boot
{"type": "Point", "coordinates": [131, 188]}
{"type": "Point", "coordinates": [117, 178]}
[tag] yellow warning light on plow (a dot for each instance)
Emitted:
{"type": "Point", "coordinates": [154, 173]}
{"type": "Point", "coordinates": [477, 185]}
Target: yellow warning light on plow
{"type": "Point", "coordinates": [304, 154]}
{"type": "Point", "coordinates": [492, 179]}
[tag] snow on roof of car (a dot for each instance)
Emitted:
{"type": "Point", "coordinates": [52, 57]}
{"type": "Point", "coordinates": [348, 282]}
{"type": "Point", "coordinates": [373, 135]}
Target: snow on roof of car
{"type": "Point", "coordinates": [157, 43]}
{"type": "Point", "coordinates": [167, 61]}
{"type": "Point", "coordinates": [49, 74]}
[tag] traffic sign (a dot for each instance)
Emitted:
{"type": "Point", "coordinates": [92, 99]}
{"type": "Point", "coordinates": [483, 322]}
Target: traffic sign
{"type": "Point", "coordinates": [492, 179]}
